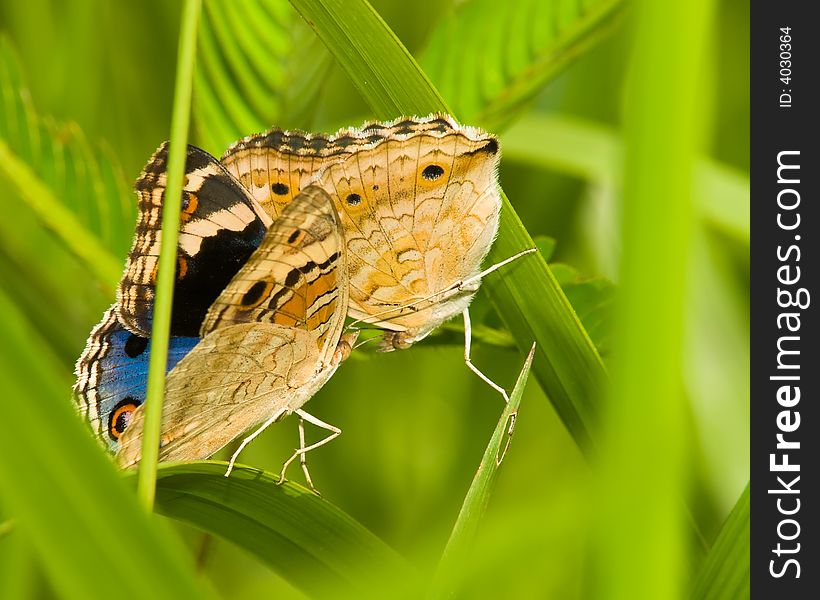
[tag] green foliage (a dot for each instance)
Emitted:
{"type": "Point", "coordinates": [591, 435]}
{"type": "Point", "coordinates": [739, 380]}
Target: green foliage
{"type": "Point", "coordinates": [725, 574]}
{"type": "Point", "coordinates": [489, 59]}
{"type": "Point", "coordinates": [416, 422]}
{"type": "Point", "coordinates": [478, 496]}
{"type": "Point", "coordinates": [77, 513]}
{"type": "Point", "coordinates": [258, 66]}
{"type": "Point", "coordinates": [306, 539]}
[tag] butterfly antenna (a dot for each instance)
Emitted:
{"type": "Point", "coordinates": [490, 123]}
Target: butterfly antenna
{"type": "Point", "coordinates": [441, 295]}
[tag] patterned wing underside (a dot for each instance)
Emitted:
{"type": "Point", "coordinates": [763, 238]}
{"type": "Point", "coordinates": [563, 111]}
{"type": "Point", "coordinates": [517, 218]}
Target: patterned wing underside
{"type": "Point", "coordinates": [296, 277]}
{"type": "Point", "coordinates": [418, 201]}
{"type": "Point", "coordinates": [220, 227]}
{"type": "Point", "coordinates": [270, 340]}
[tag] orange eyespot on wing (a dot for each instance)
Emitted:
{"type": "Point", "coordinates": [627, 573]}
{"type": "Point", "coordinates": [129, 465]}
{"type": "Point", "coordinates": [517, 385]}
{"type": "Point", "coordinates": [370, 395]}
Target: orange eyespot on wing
{"type": "Point", "coordinates": [120, 417]}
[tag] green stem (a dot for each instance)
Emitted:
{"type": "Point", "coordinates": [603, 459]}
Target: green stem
{"type": "Point", "coordinates": [146, 483]}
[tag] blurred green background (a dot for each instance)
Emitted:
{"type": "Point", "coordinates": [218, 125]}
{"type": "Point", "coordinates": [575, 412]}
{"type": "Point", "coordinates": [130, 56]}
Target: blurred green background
{"type": "Point", "coordinates": [97, 81]}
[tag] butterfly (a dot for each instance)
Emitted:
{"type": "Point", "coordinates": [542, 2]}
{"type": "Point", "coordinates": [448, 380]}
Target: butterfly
{"type": "Point", "coordinates": [221, 226]}
{"type": "Point", "coordinates": [270, 340]}
{"type": "Point", "coordinates": [419, 204]}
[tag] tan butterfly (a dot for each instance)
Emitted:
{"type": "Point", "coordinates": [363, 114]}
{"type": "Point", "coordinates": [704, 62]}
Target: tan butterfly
{"type": "Point", "coordinates": [271, 339]}
{"type": "Point", "coordinates": [419, 204]}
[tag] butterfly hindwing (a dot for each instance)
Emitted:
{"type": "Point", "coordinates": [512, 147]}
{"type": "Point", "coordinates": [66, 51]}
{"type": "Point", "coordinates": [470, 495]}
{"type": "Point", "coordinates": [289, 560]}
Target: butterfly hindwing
{"type": "Point", "coordinates": [220, 227]}
{"type": "Point", "coordinates": [270, 340]}
{"type": "Point", "coordinates": [112, 374]}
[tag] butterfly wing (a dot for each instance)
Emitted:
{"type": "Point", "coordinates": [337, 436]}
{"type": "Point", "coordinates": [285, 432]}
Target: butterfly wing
{"type": "Point", "coordinates": [270, 340]}
{"type": "Point", "coordinates": [420, 211]}
{"type": "Point", "coordinates": [274, 166]}
{"type": "Point", "coordinates": [112, 373]}
{"type": "Point", "coordinates": [220, 227]}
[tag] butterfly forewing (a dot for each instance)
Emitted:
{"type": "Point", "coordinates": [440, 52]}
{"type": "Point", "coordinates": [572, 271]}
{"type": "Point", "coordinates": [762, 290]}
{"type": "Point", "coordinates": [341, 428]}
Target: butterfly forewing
{"type": "Point", "coordinates": [220, 226]}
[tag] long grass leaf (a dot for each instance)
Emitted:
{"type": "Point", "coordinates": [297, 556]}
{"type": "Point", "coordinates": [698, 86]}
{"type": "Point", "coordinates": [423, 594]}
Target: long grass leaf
{"type": "Point", "coordinates": [478, 495]}
{"type": "Point", "coordinates": [166, 273]}
{"type": "Point", "coordinates": [58, 218]}
{"type": "Point", "coordinates": [490, 58]}
{"type": "Point", "coordinates": [644, 450]}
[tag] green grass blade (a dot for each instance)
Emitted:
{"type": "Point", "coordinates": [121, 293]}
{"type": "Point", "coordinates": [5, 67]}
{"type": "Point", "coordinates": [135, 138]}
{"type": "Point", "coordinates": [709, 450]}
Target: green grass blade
{"type": "Point", "coordinates": [593, 151]}
{"type": "Point", "coordinates": [65, 495]}
{"type": "Point", "coordinates": [644, 472]}
{"type": "Point", "coordinates": [306, 539]}
{"type": "Point", "coordinates": [478, 496]}
{"type": "Point", "coordinates": [166, 273]}
{"type": "Point", "coordinates": [526, 294]}
{"type": "Point", "coordinates": [490, 58]}
{"type": "Point", "coordinates": [725, 574]}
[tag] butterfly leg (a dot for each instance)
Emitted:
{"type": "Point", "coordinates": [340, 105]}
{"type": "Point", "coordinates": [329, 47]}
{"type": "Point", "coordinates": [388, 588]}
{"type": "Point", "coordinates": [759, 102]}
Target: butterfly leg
{"type": "Point", "coordinates": [468, 334]}
{"type": "Point", "coordinates": [305, 416]}
{"type": "Point", "coordinates": [276, 416]}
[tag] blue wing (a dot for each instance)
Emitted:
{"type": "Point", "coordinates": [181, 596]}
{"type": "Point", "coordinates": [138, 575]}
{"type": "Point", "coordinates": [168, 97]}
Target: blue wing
{"type": "Point", "coordinates": [112, 374]}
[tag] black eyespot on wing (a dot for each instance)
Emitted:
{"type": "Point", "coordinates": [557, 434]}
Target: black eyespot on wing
{"type": "Point", "coordinates": [432, 172]}
{"type": "Point", "coordinates": [293, 278]}
{"type": "Point", "coordinates": [294, 236]}
{"type": "Point", "coordinates": [353, 199]}
{"type": "Point", "coordinates": [253, 295]}
{"type": "Point", "coordinates": [121, 416]}
{"type": "Point", "coordinates": [135, 345]}
{"type": "Point", "coordinates": [279, 188]}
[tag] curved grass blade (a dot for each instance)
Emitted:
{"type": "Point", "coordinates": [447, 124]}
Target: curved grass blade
{"type": "Point", "coordinates": [490, 58]}
{"type": "Point", "coordinates": [57, 217]}
{"type": "Point", "coordinates": [725, 574]}
{"type": "Point", "coordinates": [478, 496]}
{"type": "Point", "coordinates": [526, 294]}
{"type": "Point", "coordinates": [307, 540]}
{"type": "Point", "coordinates": [65, 495]}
